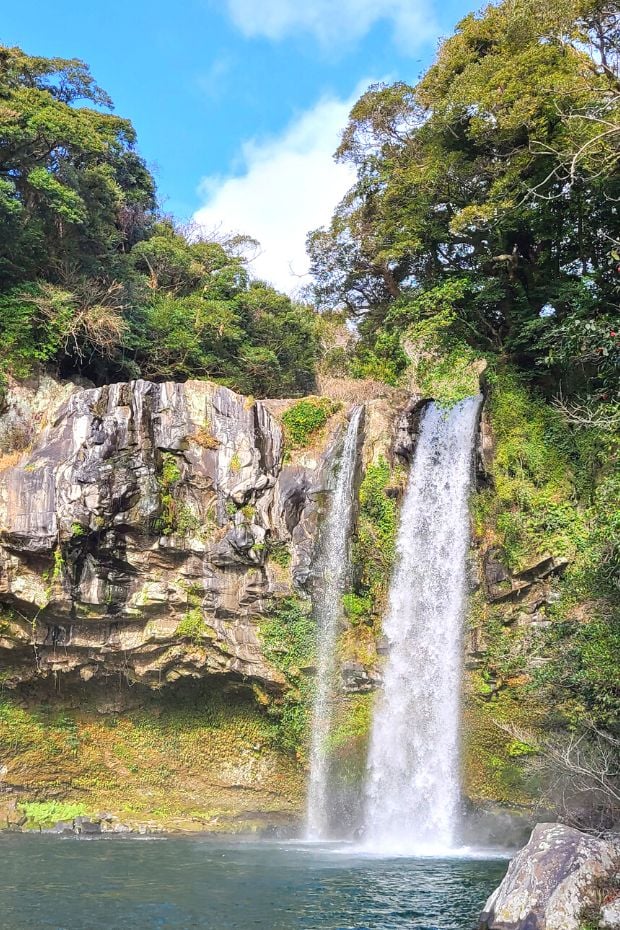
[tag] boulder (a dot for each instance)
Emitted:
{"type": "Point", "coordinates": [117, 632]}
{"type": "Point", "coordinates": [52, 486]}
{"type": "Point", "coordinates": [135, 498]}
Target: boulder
{"type": "Point", "coordinates": [408, 427]}
{"type": "Point", "coordinates": [551, 880]}
{"type": "Point", "coordinates": [610, 915]}
{"type": "Point", "coordinates": [357, 679]}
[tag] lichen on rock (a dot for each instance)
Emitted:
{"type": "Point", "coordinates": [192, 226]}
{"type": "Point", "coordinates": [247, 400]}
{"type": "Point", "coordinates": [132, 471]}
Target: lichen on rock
{"type": "Point", "coordinates": [551, 880]}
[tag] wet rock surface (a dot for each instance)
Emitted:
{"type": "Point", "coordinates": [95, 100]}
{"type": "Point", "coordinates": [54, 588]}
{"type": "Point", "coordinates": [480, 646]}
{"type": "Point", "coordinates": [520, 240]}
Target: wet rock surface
{"type": "Point", "coordinates": [551, 880]}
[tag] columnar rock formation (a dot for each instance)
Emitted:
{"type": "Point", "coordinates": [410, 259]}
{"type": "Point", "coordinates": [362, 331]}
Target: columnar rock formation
{"type": "Point", "coordinates": [135, 534]}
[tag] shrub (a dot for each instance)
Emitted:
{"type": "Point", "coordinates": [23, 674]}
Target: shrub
{"type": "Point", "coordinates": [176, 517]}
{"type": "Point", "coordinates": [356, 607]}
{"type": "Point", "coordinates": [192, 626]}
{"type": "Point", "coordinates": [280, 553]}
{"type": "Point", "coordinates": [305, 418]}
{"type": "Point", "coordinates": [204, 437]}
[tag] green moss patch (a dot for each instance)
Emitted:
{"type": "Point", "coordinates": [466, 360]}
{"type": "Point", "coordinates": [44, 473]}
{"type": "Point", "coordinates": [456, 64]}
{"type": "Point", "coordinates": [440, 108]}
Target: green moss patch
{"type": "Point", "coordinates": [305, 418]}
{"type": "Point", "coordinates": [47, 813]}
{"type": "Point", "coordinates": [185, 753]}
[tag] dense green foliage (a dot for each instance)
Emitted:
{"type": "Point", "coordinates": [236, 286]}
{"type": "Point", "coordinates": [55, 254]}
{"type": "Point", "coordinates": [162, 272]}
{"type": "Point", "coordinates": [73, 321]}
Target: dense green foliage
{"type": "Point", "coordinates": [488, 193]}
{"type": "Point", "coordinates": [303, 420]}
{"type": "Point", "coordinates": [553, 493]}
{"type": "Point", "coordinates": [288, 633]}
{"type": "Point", "coordinates": [73, 191]}
{"type": "Point", "coordinates": [533, 503]}
{"type": "Point", "coordinates": [374, 550]}
{"type": "Point", "coordinates": [94, 281]}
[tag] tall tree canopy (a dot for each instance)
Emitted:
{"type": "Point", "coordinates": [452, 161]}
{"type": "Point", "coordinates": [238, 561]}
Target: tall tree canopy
{"type": "Point", "coordinates": [490, 191]}
{"type": "Point", "coordinates": [73, 190]}
{"type": "Point", "coordinates": [94, 281]}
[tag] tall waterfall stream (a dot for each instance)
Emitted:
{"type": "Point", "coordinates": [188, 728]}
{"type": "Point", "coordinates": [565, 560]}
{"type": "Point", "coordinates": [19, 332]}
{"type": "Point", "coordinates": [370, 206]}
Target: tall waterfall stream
{"type": "Point", "coordinates": [333, 566]}
{"type": "Point", "coordinates": [413, 767]}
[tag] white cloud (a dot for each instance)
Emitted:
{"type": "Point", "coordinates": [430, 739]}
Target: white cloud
{"type": "Point", "coordinates": [334, 22]}
{"type": "Point", "coordinates": [289, 185]}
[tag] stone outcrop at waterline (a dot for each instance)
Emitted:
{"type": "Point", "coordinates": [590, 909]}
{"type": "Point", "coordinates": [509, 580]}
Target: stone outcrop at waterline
{"type": "Point", "coordinates": [559, 875]}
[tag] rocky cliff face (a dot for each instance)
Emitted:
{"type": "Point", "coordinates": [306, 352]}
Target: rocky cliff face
{"type": "Point", "coordinates": [149, 534]}
{"type": "Point", "coordinates": [136, 535]}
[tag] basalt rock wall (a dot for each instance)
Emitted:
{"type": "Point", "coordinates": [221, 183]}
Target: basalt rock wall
{"type": "Point", "coordinates": [136, 533]}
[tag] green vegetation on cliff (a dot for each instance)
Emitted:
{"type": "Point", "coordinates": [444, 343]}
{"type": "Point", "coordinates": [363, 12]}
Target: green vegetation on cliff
{"type": "Point", "coordinates": [305, 418]}
{"type": "Point", "coordinates": [288, 633]}
{"type": "Point", "coordinates": [192, 757]}
{"type": "Point", "coordinates": [551, 495]}
{"type": "Point", "coordinates": [548, 657]}
{"type": "Point", "coordinates": [374, 547]}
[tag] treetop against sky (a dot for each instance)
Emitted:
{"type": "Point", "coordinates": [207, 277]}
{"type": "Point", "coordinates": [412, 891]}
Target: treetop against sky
{"type": "Point", "coordinates": [239, 104]}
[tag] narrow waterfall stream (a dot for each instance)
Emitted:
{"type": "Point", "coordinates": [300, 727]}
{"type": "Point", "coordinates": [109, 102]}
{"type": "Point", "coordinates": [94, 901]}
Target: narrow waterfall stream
{"type": "Point", "coordinates": [333, 566]}
{"type": "Point", "coordinates": [413, 769]}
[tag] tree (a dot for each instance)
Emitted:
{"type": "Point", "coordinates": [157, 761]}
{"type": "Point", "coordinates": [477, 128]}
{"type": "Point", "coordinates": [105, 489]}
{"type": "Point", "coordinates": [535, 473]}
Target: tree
{"type": "Point", "coordinates": [94, 281]}
{"type": "Point", "coordinates": [498, 171]}
{"type": "Point", "coordinates": [74, 194]}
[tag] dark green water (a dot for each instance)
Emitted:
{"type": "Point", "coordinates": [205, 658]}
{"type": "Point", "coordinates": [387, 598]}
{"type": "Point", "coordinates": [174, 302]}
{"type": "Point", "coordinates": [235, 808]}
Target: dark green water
{"type": "Point", "coordinates": [52, 883]}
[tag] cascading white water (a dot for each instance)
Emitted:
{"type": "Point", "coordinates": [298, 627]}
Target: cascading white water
{"type": "Point", "coordinates": [333, 566]}
{"type": "Point", "coordinates": [412, 792]}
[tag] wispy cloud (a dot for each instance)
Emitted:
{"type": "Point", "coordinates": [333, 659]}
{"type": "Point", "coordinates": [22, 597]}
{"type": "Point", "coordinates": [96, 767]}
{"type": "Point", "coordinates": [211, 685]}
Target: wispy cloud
{"type": "Point", "coordinates": [289, 185]}
{"type": "Point", "coordinates": [332, 22]}
{"type": "Point", "coordinates": [212, 81]}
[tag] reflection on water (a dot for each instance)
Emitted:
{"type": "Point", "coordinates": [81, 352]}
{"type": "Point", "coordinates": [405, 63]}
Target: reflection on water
{"type": "Point", "coordinates": [182, 884]}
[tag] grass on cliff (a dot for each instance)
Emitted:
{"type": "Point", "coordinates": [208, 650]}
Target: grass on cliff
{"type": "Point", "coordinates": [288, 633]}
{"type": "Point", "coordinates": [494, 764]}
{"type": "Point", "coordinates": [303, 420]}
{"type": "Point", "coordinates": [188, 755]}
{"type": "Point", "coordinates": [374, 545]}
{"type": "Point", "coordinates": [534, 506]}
{"type": "Point", "coordinates": [554, 491]}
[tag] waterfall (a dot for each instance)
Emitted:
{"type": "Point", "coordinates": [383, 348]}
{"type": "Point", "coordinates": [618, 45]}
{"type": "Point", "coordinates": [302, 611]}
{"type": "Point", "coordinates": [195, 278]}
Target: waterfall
{"type": "Point", "coordinates": [412, 791]}
{"type": "Point", "coordinates": [333, 567]}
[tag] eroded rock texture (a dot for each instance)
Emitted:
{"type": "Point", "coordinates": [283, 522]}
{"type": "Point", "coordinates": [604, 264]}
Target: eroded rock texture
{"type": "Point", "coordinates": [551, 880]}
{"type": "Point", "coordinates": [135, 536]}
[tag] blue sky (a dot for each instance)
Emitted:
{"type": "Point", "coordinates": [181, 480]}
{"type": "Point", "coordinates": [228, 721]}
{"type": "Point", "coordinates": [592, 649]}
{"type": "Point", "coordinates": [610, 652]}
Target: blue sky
{"type": "Point", "coordinates": [238, 103]}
